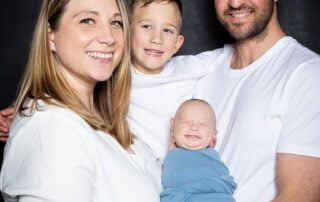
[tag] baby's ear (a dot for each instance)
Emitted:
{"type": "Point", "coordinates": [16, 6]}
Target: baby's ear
{"type": "Point", "coordinates": [214, 139]}
{"type": "Point", "coordinates": [172, 143]}
{"type": "Point", "coordinates": [171, 126]}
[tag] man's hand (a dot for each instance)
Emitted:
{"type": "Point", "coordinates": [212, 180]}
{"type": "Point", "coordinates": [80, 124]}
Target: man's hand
{"type": "Point", "coordinates": [6, 117]}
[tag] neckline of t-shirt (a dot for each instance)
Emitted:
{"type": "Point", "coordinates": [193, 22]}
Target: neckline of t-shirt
{"type": "Point", "coordinates": [137, 72]}
{"type": "Point", "coordinates": [253, 66]}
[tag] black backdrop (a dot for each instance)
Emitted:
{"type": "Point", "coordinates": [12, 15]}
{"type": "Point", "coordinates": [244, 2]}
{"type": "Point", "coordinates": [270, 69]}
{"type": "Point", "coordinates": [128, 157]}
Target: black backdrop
{"type": "Point", "coordinates": [300, 19]}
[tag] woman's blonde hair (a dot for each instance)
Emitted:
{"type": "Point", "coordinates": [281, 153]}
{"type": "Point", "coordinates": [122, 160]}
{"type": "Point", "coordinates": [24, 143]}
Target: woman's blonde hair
{"type": "Point", "coordinates": [42, 79]}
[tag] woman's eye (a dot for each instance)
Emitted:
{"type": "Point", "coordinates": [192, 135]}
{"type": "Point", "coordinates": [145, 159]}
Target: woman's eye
{"type": "Point", "coordinates": [146, 26]}
{"type": "Point", "coordinates": [117, 23]}
{"type": "Point", "coordinates": [87, 21]}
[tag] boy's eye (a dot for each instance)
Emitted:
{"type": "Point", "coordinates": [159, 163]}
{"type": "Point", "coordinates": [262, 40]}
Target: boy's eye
{"type": "Point", "coordinates": [168, 30]}
{"type": "Point", "coordinates": [117, 23]}
{"type": "Point", "coordinates": [88, 21]}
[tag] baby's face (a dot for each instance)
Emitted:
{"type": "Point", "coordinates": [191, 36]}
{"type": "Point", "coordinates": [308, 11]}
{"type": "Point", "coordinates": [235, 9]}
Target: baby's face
{"type": "Point", "coordinates": [194, 126]}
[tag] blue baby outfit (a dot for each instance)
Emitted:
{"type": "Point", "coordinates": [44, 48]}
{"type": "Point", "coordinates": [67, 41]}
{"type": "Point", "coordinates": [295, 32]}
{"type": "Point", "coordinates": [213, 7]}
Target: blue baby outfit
{"type": "Point", "coordinates": [196, 176]}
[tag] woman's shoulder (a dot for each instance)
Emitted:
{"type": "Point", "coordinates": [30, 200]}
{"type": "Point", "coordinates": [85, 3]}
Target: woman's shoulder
{"type": "Point", "coordinates": [48, 118]}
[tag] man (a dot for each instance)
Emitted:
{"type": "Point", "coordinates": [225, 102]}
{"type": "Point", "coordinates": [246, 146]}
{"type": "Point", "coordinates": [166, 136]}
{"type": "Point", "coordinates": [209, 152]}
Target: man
{"type": "Point", "coordinates": [265, 89]}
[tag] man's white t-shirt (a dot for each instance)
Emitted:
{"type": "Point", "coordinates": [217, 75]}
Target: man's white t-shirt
{"type": "Point", "coordinates": [271, 106]}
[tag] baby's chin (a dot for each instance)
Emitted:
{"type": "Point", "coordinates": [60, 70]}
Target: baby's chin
{"type": "Point", "coordinates": [193, 146]}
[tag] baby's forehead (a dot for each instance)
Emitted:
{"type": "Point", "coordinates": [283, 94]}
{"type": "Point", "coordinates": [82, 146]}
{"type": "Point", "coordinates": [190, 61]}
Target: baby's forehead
{"type": "Point", "coordinates": [195, 108]}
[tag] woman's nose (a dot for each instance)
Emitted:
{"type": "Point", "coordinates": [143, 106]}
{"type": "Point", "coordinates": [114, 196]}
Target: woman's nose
{"type": "Point", "coordinates": [106, 36]}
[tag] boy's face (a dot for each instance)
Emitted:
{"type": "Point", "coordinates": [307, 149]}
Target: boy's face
{"type": "Point", "coordinates": [194, 126]}
{"type": "Point", "coordinates": [155, 36]}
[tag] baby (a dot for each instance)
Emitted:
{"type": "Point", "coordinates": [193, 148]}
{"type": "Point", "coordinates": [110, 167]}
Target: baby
{"type": "Point", "coordinates": [192, 170]}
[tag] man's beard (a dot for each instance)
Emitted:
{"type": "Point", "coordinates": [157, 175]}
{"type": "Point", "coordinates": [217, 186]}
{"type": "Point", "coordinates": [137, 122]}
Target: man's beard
{"type": "Point", "coordinates": [257, 27]}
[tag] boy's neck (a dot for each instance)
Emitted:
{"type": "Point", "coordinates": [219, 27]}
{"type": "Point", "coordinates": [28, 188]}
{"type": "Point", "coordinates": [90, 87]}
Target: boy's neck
{"type": "Point", "coordinates": [148, 71]}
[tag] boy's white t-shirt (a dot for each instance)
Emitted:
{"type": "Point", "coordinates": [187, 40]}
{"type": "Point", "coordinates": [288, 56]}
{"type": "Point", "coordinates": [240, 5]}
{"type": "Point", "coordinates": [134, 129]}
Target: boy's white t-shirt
{"type": "Point", "coordinates": [155, 98]}
{"type": "Point", "coordinates": [271, 106]}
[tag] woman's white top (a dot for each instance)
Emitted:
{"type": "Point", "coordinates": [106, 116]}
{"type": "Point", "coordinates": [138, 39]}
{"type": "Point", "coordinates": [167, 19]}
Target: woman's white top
{"type": "Point", "coordinates": [54, 155]}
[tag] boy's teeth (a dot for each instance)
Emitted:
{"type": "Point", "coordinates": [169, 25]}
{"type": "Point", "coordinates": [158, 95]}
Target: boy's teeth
{"type": "Point", "coordinates": [100, 55]}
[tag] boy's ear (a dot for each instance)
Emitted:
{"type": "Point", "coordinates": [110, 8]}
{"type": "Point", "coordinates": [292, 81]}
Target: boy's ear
{"type": "Point", "coordinates": [51, 39]}
{"type": "Point", "coordinates": [179, 42]}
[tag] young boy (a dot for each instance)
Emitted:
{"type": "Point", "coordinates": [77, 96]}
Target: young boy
{"type": "Point", "coordinates": [193, 171]}
{"type": "Point", "coordinates": [155, 26]}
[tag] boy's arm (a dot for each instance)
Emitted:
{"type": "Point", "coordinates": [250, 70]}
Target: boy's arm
{"type": "Point", "coordinates": [6, 117]}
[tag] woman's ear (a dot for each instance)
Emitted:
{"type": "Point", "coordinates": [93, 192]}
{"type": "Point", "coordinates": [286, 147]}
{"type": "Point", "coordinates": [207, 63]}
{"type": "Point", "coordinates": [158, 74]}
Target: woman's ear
{"type": "Point", "coordinates": [51, 39]}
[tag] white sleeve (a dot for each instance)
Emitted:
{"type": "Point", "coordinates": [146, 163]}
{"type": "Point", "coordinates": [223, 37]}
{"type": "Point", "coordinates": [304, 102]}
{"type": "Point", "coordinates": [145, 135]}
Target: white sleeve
{"type": "Point", "coordinates": [301, 125]}
{"type": "Point", "coordinates": [181, 68]}
{"type": "Point", "coordinates": [200, 64]}
{"type": "Point", "coordinates": [49, 160]}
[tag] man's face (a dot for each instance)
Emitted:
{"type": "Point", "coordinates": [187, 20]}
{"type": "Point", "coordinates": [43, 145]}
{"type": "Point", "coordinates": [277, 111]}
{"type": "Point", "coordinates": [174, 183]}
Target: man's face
{"type": "Point", "coordinates": [244, 19]}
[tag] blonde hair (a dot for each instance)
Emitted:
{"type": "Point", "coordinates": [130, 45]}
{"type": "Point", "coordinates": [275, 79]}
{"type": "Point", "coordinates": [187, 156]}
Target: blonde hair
{"type": "Point", "coordinates": [133, 4]}
{"type": "Point", "coordinates": [42, 79]}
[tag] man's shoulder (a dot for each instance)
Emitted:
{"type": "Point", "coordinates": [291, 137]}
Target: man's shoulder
{"type": "Point", "coordinates": [298, 52]}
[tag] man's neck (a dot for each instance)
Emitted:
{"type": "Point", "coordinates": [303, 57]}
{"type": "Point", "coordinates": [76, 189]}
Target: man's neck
{"type": "Point", "coordinates": [247, 52]}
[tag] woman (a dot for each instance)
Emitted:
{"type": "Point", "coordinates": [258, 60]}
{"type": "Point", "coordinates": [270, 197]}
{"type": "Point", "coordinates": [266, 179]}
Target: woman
{"type": "Point", "coordinates": [70, 140]}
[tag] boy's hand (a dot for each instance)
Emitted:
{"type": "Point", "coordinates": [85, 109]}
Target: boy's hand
{"type": "Point", "coordinates": [6, 117]}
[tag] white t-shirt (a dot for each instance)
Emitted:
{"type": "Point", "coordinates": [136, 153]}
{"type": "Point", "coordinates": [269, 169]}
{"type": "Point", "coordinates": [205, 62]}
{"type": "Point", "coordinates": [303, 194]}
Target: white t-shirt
{"type": "Point", "coordinates": [155, 98]}
{"type": "Point", "coordinates": [54, 155]}
{"type": "Point", "coordinates": [271, 106]}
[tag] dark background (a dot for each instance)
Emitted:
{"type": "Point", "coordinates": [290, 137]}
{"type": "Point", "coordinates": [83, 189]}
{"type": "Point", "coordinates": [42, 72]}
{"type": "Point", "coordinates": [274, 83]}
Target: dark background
{"type": "Point", "coordinates": [299, 18]}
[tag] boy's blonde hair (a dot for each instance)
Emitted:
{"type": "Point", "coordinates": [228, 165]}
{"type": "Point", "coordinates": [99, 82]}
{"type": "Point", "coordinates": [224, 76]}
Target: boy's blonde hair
{"type": "Point", "coordinates": [132, 5]}
{"type": "Point", "coordinates": [42, 79]}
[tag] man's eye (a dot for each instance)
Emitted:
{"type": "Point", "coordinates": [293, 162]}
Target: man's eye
{"type": "Point", "coordinates": [87, 21]}
{"type": "Point", "coordinates": [117, 23]}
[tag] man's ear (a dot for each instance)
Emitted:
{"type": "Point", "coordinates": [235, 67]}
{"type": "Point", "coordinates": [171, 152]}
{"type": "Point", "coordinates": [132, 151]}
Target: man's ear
{"type": "Point", "coordinates": [178, 43]}
{"type": "Point", "coordinates": [51, 39]}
